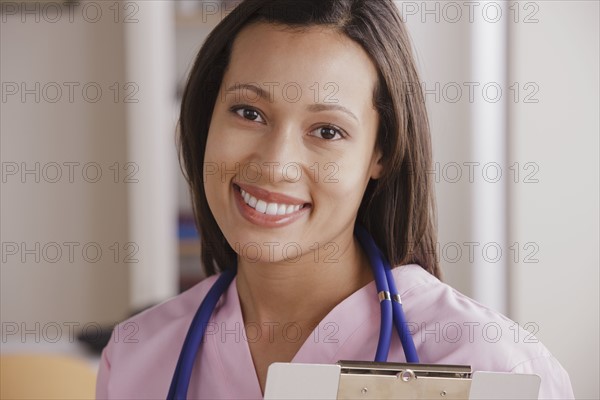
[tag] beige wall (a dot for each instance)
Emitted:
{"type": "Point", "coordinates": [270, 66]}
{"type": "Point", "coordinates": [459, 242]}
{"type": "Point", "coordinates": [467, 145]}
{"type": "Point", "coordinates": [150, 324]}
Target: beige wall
{"type": "Point", "coordinates": [443, 56]}
{"type": "Point", "coordinates": [125, 132]}
{"type": "Point", "coordinates": [63, 132]}
{"type": "Point", "coordinates": [559, 214]}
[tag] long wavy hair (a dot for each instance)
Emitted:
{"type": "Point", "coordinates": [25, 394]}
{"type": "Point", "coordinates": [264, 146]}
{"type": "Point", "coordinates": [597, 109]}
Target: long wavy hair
{"type": "Point", "coordinates": [399, 208]}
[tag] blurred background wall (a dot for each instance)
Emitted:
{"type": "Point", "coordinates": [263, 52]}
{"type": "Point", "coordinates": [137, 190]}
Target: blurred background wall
{"type": "Point", "coordinates": [95, 214]}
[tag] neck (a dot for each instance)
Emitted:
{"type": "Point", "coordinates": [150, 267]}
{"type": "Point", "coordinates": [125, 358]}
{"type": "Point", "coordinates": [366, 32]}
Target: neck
{"type": "Point", "coordinates": [305, 291]}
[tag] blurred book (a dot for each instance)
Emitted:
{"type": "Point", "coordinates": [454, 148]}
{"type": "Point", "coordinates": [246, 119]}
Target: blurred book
{"type": "Point", "coordinates": [190, 263]}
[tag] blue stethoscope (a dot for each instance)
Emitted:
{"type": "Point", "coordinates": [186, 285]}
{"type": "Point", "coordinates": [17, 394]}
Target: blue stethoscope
{"type": "Point", "coordinates": [389, 300]}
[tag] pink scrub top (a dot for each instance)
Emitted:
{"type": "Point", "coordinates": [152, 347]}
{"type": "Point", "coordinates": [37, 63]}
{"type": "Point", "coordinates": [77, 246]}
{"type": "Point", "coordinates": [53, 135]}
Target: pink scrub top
{"type": "Point", "coordinates": [447, 326]}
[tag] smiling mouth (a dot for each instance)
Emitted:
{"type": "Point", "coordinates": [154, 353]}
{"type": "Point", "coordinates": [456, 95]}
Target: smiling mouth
{"type": "Point", "coordinates": [269, 208]}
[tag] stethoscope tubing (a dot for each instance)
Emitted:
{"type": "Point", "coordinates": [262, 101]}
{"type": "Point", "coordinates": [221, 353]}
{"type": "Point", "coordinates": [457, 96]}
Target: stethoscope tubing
{"type": "Point", "coordinates": [390, 302]}
{"type": "Point", "coordinates": [381, 283]}
{"type": "Point", "coordinates": [191, 345]}
{"type": "Point", "coordinates": [408, 345]}
{"type": "Point", "coordinates": [392, 315]}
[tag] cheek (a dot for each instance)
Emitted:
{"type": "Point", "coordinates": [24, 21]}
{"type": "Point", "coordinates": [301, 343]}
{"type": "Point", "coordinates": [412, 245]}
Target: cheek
{"type": "Point", "coordinates": [222, 156]}
{"type": "Point", "coordinates": [212, 166]}
{"type": "Point", "coordinates": [216, 162]}
{"type": "Point", "coordinates": [218, 147]}
{"type": "Point", "coordinates": [343, 183]}
{"type": "Point", "coordinates": [345, 172]}
{"type": "Point", "coordinates": [228, 146]}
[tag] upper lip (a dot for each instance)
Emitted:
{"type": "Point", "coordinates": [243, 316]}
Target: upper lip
{"type": "Point", "coordinates": [270, 197]}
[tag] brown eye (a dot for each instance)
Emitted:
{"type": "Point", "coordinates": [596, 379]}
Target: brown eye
{"type": "Point", "coordinates": [328, 133]}
{"type": "Point", "coordinates": [249, 114]}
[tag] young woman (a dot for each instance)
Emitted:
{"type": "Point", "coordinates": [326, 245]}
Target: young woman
{"type": "Point", "coordinates": [297, 127]}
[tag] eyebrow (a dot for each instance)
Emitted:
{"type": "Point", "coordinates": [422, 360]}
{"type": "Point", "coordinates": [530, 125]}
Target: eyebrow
{"type": "Point", "coordinates": [334, 107]}
{"type": "Point", "coordinates": [263, 94]}
{"type": "Point", "coordinates": [260, 92]}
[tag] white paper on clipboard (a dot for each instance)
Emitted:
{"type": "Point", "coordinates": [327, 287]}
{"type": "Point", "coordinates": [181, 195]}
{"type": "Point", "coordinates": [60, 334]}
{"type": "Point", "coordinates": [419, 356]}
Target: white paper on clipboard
{"type": "Point", "coordinates": [302, 382]}
{"type": "Point", "coordinates": [503, 385]}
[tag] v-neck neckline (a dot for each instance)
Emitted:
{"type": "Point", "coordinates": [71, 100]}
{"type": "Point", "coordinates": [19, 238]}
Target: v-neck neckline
{"type": "Point", "coordinates": [320, 347]}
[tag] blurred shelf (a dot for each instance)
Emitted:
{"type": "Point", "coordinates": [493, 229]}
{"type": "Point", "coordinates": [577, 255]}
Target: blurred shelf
{"type": "Point", "coordinates": [189, 248]}
{"type": "Point", "coordinates": [190, 262]}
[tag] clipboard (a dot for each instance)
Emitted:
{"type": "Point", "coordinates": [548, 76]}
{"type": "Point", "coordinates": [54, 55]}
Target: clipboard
{"type": "Point", "coordinates": [369, 380]}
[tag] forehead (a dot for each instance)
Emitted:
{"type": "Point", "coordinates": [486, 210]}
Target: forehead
{"type": "Point", "coordinates": [275, 54]}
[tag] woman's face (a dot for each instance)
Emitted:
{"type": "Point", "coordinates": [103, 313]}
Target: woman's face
{"type": "Point", "coordinates": [291, 144]}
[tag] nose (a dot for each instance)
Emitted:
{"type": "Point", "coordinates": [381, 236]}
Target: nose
{"type": "Point", "coordinates": [279, 155]}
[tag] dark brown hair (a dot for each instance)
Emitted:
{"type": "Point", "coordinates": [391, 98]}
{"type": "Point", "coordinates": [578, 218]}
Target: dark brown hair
{"type": "Point", "coordinates": [399, 208]}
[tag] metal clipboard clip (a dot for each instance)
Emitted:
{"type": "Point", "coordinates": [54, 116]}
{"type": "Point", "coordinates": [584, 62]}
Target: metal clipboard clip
{"type": "Point", "coordinates": [369, 380]}
{"type": "Point", "coordinates": [359, 380]}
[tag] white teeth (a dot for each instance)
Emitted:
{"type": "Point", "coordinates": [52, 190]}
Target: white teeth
{"type": "Point", "coordinates": [261, 206]}
{"type": "Point", "coordinates": [252, 202]}
{"type": "Point", "coordinates": [272, 209]}
{"type": "Point", "coordinates": [268, 208]}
